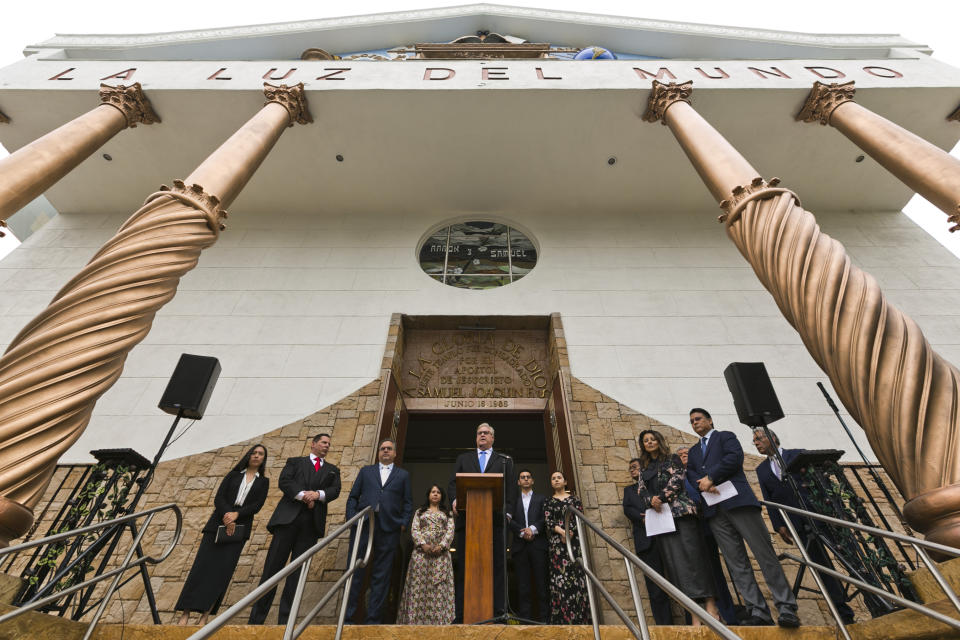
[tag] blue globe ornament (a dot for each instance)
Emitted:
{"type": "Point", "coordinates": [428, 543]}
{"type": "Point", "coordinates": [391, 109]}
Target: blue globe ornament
{"type": "Point", "coordinates": [595, 53]}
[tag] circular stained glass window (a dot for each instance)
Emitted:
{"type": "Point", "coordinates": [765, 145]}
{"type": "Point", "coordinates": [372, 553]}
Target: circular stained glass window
{"type": "Point", "coordinates": [477, 255]}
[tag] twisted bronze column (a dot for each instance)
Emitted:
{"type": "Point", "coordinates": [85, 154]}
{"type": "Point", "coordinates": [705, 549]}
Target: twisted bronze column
{"type": "Point", "coordinates": [60, 363]}
{"type": "Point", "coordinates": [904, 395]}
{"type": "Point", "coordinates": [31, 170]}
{"type": "Point", "coordinates": [924, 167]}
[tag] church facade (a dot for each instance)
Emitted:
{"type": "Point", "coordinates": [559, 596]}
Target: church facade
{"type": "Point", "coordinates": [474, 224]}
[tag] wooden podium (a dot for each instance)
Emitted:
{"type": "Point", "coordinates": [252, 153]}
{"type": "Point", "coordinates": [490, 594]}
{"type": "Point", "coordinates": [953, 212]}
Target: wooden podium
{"type": "Point", "coordinates": [478, 495]}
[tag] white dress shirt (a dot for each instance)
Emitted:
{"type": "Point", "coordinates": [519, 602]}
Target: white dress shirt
{"type": "Point", "coordinates": [385, 470]}
{"type": "Point", "coordinates": [245, 488]}
{"type": "Point", "coordinates": [526, 496]}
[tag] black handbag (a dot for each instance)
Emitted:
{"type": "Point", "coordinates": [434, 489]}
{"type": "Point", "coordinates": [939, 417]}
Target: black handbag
{"type": "Point", "coordinates": [239, 534]}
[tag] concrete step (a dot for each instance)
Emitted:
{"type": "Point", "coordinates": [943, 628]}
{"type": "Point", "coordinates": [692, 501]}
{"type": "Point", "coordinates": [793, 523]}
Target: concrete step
{"type": "Point", "coordinates": [32, 625]}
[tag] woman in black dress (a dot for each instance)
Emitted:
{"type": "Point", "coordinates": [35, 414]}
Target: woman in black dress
{"type": "Point", "coordinates": [240, 496]}
{"type": "Point", "coordinates": [568, 583]}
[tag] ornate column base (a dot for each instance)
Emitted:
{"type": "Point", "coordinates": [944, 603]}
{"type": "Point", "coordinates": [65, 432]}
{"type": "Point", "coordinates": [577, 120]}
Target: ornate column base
{"type": "Point", "coordinates": [936, 514]}
{"type": "Point", "coordinates": [15, 520]}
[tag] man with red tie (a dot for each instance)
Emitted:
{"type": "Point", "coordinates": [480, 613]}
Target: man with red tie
{"type": "Point", "coordinates": [308, 484]}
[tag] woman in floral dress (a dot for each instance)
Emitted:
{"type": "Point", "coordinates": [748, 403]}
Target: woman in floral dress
{"type": "Point", "coordinates": [568, 584]}
{"type": "Point", "coordinates": [428, 593]}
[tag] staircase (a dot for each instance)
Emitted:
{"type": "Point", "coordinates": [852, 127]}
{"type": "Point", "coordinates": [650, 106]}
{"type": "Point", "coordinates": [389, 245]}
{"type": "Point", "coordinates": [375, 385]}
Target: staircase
{"type": "Point", "coordinates": [460, 632]}
{"type": "Point", "coordinates": [902, 625]}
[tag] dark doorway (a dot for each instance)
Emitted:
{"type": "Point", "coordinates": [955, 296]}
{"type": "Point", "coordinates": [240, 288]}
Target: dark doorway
{"type": "Point", "coordinates": [429, 446]}
{"type": "Point", "coordinates": [434, 440]}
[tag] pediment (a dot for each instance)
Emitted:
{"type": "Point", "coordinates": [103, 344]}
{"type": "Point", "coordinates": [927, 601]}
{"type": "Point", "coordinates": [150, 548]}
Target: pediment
{"type": "Point", "coordinates": [373, 34]}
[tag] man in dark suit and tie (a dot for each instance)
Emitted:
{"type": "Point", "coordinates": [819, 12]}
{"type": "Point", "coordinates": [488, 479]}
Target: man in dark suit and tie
{"type": "Point", "coordinates": [484, 459]}
{"type": "Point", "coordinates": [309, 484]}
{"type": "Point", "coordinates": [724, 600]}
{"type": "Point", "coordinates": [776, 487]}
{"type": "Point", "coordinates": [529, 549]}
{"type": "Point", "coordinates": [385, 487]}
{"type": "Point", "coordinates": [718, 458]}
{"type": "Point", "coordinates": [645, 547]}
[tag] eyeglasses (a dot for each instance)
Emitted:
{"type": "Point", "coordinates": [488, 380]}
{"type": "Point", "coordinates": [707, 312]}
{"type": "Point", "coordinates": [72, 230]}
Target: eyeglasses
{"type": "Point", "coordinates": [484, 433]}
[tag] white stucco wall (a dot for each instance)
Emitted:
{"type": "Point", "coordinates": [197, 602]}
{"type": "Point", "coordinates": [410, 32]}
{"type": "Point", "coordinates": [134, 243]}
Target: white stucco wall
{"type": "Point", "coordinates": [296, 309]}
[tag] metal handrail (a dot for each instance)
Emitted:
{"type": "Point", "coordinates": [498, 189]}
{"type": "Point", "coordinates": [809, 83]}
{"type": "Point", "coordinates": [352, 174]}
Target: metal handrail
{"type": "Point", "coordinates": [916, 543]}
{"type": "Point", "coordinates": [293, 630]}
{"type": "Point", "coordinates": [114, 573]}
{"type": "Point", "coordinates": [631, 560]}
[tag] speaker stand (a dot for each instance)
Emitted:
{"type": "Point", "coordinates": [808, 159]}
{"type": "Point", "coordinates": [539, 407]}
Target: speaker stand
{"type": "Point", "coordinates": [114, 538]}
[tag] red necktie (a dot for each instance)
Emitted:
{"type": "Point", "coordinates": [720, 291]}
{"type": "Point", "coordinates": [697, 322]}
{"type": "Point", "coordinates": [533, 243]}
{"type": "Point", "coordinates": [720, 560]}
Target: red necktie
{"type": "Point", "coordinates": [316, 464]}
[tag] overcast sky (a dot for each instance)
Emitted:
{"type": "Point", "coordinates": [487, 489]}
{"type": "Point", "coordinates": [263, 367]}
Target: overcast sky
{"type": "Point", "coordinates": [930, 22]}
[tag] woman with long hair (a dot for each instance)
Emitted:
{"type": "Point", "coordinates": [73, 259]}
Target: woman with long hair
{"type": "Point", "coordinates": [568, 584]}
{"type": "Point", "coordinates": [660, 486]}
{"type": "Point", "coordinates": [240, 496]}
{"type": "Point", "coordinates": [428, 596]}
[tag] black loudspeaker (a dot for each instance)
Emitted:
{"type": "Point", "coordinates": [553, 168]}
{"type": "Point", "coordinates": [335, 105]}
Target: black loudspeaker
{"type": "Point", "coordinates": [753, 394]}
{"type": "Point", "coordinates": [191, 385]}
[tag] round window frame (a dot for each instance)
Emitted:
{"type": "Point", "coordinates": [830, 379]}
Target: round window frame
{"type": "Point", "coordinates": [478, 218]}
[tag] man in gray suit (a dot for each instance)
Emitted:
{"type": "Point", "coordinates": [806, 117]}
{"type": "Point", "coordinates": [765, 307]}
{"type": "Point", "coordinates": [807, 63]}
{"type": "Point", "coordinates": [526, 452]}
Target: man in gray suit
{"type": "Point", "coordinates": [308, 484]}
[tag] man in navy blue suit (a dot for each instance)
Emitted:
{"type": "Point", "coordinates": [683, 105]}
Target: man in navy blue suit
{"type": "Point", "coordinates": [645, 546]}
{"type": "Point", "coordinates": [483, 459]}
{"type": "Point", "coordinates": [385, 487]}
{"type": "Point", "coordinates": [775, 487]}
{"type": "Point", "coordinates": [718, 458]}
{"type": "Point", "coordinates": [529, 549]}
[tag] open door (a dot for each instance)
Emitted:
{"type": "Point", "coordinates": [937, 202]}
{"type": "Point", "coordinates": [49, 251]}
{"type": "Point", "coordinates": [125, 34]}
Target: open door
{"type": "Point", "coordinates": [556, 425]}
{"type": "Point", "coordinates": [394, 418]}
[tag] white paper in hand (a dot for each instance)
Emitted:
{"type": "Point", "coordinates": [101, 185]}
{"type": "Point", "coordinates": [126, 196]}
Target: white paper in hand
{"type": "Point", "coordinates": [726, 491]}
{"type": "Point", "coordinates": [658, 522]}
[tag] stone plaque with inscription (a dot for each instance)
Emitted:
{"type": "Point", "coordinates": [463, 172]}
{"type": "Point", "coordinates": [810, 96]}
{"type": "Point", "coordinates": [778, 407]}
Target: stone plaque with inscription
{"type": "Point", "coordinates": [478, 370]}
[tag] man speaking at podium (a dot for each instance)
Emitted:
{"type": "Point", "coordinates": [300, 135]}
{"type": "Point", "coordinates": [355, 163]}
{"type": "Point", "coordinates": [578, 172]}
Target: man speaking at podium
{"type": "Point", "coordinates": [483, 459]}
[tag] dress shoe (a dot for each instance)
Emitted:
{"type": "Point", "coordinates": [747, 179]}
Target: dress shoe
{"type": "Point", "coordinates": [788, 619]}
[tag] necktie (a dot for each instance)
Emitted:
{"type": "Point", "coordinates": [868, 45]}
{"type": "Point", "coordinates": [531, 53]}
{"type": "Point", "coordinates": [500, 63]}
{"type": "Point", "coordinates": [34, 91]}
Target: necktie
{"type": "Point", "coordinates": [483, 461]}
{"type": "Point", "coordinates": [316, 464]}
{"type": "Point", "coordinates": [703, 446]}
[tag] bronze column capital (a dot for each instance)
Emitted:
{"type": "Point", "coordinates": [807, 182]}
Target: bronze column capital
{"type": "Point", "coordinates": [884, 371]}
{"type": "Point", "coordinates": [663, 96]}
{"type": "Point", "coordinates": [823, 99]}
{"type": "Point", "coordinates": [924, 167]}
{"type": "Point", "coordinates": [131, 102]}
{"type": "Point", "coordinates": [293, 99]}
{"type": "Point", "coordinates": [29, 171]}
{"type": "Point", "coordinates": [223, 174]}
{"type": "Point", "coordinates": [720, 166]}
